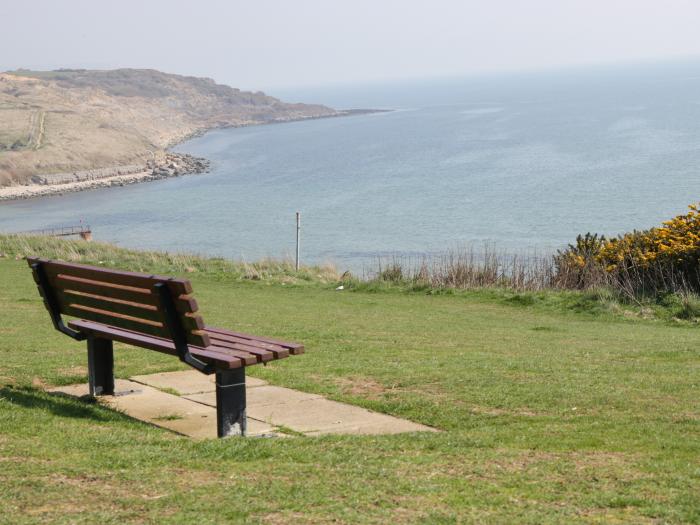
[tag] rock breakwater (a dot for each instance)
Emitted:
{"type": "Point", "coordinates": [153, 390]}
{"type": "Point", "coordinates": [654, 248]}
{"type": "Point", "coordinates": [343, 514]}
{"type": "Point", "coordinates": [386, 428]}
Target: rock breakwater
{"type": "Point", "coordinates": [169, 165]}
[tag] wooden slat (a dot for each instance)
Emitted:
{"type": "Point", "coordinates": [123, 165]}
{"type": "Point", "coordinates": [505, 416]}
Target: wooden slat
{"type": "Point", "coordinates": [138, 280]}
{"type": "Point", "coordinates": [147, 312]}
{"type": "Point", "coordinates": [184, 303]}
{"type": "Point", "coordinates": [285, 344]}
{"type": "Point", "coordinates": [117, 321]}
{"type": "Point", "coordinates": [248, 359]}
{"type": "Point", "coordinates": [294, 348]}
{"type": "Point", "coordinates": [265, 352]}
{"type": "Point", "coordinates": [252, 342]}
{"type": "Point", "coordinates": [262, 356]}
{"type": "Point", "coordinates": [136, 321]}
{"type": "Point", "coordinates": [136, 324]}
{"type": "Point", "coordinates": [219, 359]}
{"type": "Point", "coordinates": [192, 322]}
{"type": "Point", "coordinates": [198, 338]}
{"type": "Point", "coordinates": [144, 311]}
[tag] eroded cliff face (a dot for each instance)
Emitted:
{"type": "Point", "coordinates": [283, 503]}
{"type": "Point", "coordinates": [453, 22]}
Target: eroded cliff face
{"type": "Point", "coordinates": [76, 120]}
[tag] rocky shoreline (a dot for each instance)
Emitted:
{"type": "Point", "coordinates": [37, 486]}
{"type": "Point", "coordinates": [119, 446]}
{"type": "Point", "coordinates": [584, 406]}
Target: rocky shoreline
{"type": "Point", "coordinates": [170, 165]}
{"type": "Point", "coordinates": [167, 165]}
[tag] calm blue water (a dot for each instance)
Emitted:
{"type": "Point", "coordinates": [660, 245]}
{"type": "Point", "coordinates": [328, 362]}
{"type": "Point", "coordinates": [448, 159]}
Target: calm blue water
{"type": "Point", "coordinates": [524, 161]}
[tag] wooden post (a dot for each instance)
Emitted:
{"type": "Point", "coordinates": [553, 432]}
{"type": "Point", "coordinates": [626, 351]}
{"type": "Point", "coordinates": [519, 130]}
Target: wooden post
{"type": "Point", "coordinates": [298, 239]}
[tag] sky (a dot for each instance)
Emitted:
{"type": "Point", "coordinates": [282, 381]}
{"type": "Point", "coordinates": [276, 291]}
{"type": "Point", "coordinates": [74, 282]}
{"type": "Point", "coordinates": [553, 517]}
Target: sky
{"type": "Point", "coordinates": [270, 44]}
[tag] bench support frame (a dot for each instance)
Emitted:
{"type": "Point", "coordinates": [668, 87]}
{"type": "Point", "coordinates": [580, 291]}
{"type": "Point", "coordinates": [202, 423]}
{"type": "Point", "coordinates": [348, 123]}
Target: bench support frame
{"type": "Point", "coordinates": [51, 304]}
{"type": "Point", "coordinates": [100, 366]}
{"type": "Point", "coordinates": [230, 403]}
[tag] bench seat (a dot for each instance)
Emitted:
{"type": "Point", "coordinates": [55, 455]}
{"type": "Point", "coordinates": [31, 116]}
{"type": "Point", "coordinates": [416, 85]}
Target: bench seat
{"type": "Point", "coordinates": [228, 350]}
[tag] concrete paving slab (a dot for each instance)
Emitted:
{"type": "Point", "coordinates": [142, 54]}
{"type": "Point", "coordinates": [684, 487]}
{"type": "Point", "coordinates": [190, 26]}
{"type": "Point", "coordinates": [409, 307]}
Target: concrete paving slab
{"type": "Point", "coordinates": [268, 408]}
{"type": "Point", "coordinates": [313, 414]}
{"type": "Point", "coordinates": [323, 416]}
{"type": "Point", "coordinates": [186, 382]}
{"type": "Point", "coordinates": [266, 395]}
{"type": "Point", "coordinates": [165, 410]}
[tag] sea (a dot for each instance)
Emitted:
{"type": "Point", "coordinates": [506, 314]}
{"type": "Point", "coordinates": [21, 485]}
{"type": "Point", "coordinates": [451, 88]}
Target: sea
{"type": "Point", "coordinates": [520, 161]}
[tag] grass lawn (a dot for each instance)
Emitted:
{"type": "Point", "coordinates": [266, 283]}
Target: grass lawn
{"type": "Point", "coordinates": [547, 416]}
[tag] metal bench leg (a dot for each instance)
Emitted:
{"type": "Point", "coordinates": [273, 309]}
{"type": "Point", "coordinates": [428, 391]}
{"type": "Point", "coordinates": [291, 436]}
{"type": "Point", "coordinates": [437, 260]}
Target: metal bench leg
{"type": "Point", "coordinates": [230, 403]}
{"type": "Point", "coordinates": [100, 366]}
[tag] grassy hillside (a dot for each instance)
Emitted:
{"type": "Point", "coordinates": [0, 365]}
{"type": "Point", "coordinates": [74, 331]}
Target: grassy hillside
{"type": "Point", "coordinates": [68, 120]}
{"type": "Point", "coordinates": [547, 416]}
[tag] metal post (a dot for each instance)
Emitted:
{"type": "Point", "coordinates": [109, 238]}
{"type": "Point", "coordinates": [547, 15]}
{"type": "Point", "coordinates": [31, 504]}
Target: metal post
{"type": "Point", "coordinates": [298, 239]}
{"type": "Point", "coordinates": [230, 403]}
{"type": "Point", "coordinates": [100, 366]}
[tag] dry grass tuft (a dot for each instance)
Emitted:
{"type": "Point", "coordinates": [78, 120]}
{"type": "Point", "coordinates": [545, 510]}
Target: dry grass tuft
{"type": "Point", "coordinates": [470, 269]}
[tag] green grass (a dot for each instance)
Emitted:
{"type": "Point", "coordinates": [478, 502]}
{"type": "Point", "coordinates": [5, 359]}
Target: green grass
{"type": "Point", "coordinates": [548, 414]}
{"type": "Point", "coordinates": [108, 255]}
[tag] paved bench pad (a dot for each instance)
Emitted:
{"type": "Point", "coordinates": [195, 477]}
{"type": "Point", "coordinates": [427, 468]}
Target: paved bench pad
{"type": "Point", "coordinates": [269, 408]}
{"type": "Point", "coordinates": [165, 410]}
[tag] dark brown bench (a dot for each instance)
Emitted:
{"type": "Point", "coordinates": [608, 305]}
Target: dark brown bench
{"type": "Point", "coordinates": [156, 313]}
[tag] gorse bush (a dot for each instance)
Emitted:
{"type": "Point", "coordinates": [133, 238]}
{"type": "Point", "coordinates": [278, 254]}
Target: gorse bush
{"type": "Point", "coordinates": [639, 263]}
{"type": "Point", "coordinates": [676, 243]}
{"type": "Point", "coordinates": [578, 266]}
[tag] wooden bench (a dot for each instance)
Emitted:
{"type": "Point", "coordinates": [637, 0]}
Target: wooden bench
{"type": "Point", "coordinates": [156, 313]}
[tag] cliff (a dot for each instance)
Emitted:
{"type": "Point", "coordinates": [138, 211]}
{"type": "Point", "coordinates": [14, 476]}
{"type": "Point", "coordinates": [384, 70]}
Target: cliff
{"type": "Point", "coordinates": [68, 121]}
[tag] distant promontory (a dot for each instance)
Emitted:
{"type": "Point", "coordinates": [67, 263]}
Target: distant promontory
{"type": "Point", "coordinates": [60, 125]}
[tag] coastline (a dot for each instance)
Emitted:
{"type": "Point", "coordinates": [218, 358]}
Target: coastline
{"type": "Point", "coordinates": [14, 193]}
{"type": "Point", "coordinates": [173, 165]}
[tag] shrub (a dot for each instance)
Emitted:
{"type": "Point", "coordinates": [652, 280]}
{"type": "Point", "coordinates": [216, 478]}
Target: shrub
{"type": "Point", "coordinates": [660, 259]}
{"type": "Point", "coordinates": [639, 263]}
{"type": "Point", "coordinates": [578, 266]}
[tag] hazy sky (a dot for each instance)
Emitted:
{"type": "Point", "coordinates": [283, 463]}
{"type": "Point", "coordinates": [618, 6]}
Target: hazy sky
{"type": "Point", "coordinates": [263, 44]}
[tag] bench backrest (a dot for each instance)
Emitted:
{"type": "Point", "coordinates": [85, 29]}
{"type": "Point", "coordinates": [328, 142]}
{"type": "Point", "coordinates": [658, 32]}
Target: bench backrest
{"type": "Point", "coordinates": [122, 299]}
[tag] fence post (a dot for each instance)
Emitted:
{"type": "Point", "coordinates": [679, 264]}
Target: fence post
{"type": "Point", "coordinates": [298, 239]}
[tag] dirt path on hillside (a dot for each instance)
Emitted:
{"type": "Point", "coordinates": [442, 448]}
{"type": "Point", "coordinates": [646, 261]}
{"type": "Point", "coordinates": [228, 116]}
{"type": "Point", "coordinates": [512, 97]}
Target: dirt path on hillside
{"type": "Point", "coordinates": [36, 131]}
